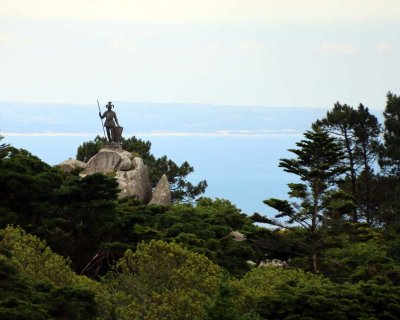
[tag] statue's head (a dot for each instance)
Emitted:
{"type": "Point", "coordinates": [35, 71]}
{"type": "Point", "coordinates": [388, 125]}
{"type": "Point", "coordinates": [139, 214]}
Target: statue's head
{"type": "Point", "coordinates": [109, 105]}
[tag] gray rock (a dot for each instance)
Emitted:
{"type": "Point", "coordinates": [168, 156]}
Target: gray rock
{"type": "Point", "coordinates": [125, 165]}
{"type": "Point", "coordinates": [162, 192]}
{"type": "Point", "coordinates": [126, 154]}
{"type": "Point", "coordinates": [71, 164]}
{"type": "Point", "coordinates": [104, 161]}
{"type": "Point", "coordinates": [113, 146]}
{"type": "Point", "coordinates": [131, 174]}
{"type": "Point", "coordinates": [237, 236]}
{"type": "Point", "coordinates": [136, 182]}
{"type": "Point", "coordinates": [126, 161]}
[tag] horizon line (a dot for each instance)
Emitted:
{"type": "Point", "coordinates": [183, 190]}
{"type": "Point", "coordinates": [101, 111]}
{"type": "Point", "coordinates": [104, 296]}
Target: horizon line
{"type": "Point", "coordinates": [220, 133]}
{"type": "Point", "coordinates": [188, 104]}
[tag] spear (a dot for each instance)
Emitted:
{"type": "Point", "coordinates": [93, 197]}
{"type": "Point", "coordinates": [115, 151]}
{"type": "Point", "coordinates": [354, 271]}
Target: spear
{"type": "Point", "coordinates": [104, 131]}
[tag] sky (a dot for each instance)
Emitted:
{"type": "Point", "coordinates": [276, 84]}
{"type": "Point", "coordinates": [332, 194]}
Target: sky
{"type": "Point", "coordinates": [308, 53]}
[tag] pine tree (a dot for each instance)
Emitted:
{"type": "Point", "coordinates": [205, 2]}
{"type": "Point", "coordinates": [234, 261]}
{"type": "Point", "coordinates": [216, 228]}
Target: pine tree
{"type": "Point", "coordinates": [390, 157]}
{"type": "Point", "coordinates": [339, 122]}
{"type": "Point", "coordinates": [318, 164]}
{"type": "Point", "coordinates": [367, 132]}
{"type": "Point", "coordinates": [358, 132]}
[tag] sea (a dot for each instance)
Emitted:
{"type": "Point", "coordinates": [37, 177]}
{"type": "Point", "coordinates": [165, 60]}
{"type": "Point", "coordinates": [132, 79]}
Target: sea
{"type": "Point", "coordinates": [235, 148]}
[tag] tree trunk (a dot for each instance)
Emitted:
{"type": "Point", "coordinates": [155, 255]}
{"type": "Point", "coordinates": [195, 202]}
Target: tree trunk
{"type": "Point", "coordinates": [367, 171]}
{"type": "Point", "coordinates": [314, 261]}
{"type": "Point", "coordinates": [353, 176]}
{"type": "Point", "coordinates": [314, 222]}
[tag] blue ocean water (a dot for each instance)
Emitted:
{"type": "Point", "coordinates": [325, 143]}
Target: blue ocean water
{"type": "Point", "coordinates": [242, 169]}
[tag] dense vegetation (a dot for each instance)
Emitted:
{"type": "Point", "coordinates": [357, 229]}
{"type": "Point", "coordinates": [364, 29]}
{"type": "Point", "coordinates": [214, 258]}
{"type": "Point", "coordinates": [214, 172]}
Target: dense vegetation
{"type": "Point", "coordinates": [69, 249]}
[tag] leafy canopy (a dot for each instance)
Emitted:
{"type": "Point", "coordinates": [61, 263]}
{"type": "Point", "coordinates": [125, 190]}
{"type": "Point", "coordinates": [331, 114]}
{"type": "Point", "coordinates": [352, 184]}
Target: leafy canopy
{"type": "Point", "coordinates": [163, 281]}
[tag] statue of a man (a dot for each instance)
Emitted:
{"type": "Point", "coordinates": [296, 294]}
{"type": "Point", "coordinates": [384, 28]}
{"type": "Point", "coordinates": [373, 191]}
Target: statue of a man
{"type": "Point", "coordinates": [109, 124]}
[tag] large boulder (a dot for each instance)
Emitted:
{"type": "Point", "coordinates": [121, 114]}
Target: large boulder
{"type": "Point", "coordinates": [136, 182]}
{"type": "Point", "coordinates": [105, 161]}
{"type": "Point", "coordinates": [162, 192]}
{"type": "Point", "coordinates": [71, 164]}
{"type": "Point", "coordinates": [131, 174]}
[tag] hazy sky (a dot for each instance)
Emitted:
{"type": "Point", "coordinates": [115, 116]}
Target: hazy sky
{"type": "Point", "coordinates": [235, 52]}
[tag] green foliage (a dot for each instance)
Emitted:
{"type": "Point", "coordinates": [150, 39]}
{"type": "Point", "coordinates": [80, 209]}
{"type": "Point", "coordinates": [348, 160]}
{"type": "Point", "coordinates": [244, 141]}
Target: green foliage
{"type": "Point", "coordinates": [3, 149]}
{"type": "Point", "coordinates": [31, 256]}
{"type": "Point", "coordinates": [318, 164]}
{"type": "Point", "coordinates": [75, 215]}
{"type": "Point", "coordinates": [26, 187]}
{"type": "Point", "coordinates": [206, 230]}
{"type": "Point", "coordinates": [265, 290]}
{"type": "Point", "coordinates": [282, 293]}
{"type": "Point", "coordinates": [385, 198]}
{"type": "Point", "coordinates": [163, 281]}
{"type": "Point", "coordinates": [358, 132]}
{"type": "Point", "coordinates": [392, 240]}
{"type": "Point", "coordinates": [17, 297]}
{"type": "Point", "coordinates": [379, 300]}
{"type": "Point", "coordinates": [181, 188]}
{"type": "Point", "coordinates": [83, 220]}
{"type": "Point", "coordinates": [356, 252]}
{"type": "Point", "coordinates": [182, 262]}
{"type": "Point", "coordinates": [35, 283]}
{"type": "Point", "coordinates": [89, 149]}
{"type": "Point", "coordinates": [390, 156]}
{"type": "Point", "coordinates": [203, 228]}
{"type": "Point", "coordinates": [367, 134]}
{"type": "Point", "coordinates": [224, 308]}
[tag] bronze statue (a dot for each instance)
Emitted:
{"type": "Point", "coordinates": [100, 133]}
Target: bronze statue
{"type": "Point", "coordinates": [113, 131]}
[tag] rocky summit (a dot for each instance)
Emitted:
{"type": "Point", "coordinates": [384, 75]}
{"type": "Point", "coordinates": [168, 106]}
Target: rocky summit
{"type": "Point", "coordinates": [130, 172]}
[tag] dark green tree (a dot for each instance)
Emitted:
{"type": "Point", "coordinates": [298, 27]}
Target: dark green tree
{"type": "Point", "coordinates": [318, 164]}
{"type": "Point", "coordinates": [3, 148]}
{"type": "Point", "coordinates": [358, 132]}
{"type": "Point", "coordinates": [388, 184]}
{"type": "Point", "coordinates": [390, 157]}
{"type": "Point", "coordinates": [203, 228]}
{"type": "Point", "coordinates": [88, 149]}
{"type": "Point", "coordinates": [367, 131]}
{"type": "Point", "coordinates": [26, 187]}
{"type": "Point", "coordinates": [385, 190]}
{"type": "Point", "coordinates": [182, 190]}
{"type": "Point", "coordinates": [23, 298]}
{"type": "Point", "coordinates": [83, 220]}
{"type": "Point", "coordinates": [339, 122]}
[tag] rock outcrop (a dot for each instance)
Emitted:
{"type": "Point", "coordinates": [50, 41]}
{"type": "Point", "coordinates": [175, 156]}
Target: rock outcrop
{"type": "Point", "coordinates": [162, 192]}
{"type": "Point", "coordinates": [131, 174]}
{"type": "Point", "coordinates": [106, 161]}
{"type": "Point", "coordinates": [136, 182]}
{"type": "Point", "coordinates": [71, 164]}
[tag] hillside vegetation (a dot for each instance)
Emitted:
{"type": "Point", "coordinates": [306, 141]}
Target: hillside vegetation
{"type": "Point", "coordinates": [70, 249]}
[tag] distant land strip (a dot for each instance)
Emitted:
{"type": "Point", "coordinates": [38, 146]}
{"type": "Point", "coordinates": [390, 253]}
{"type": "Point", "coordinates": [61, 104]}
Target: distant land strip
{"type": "Point", "coordinates": [219, 133]}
